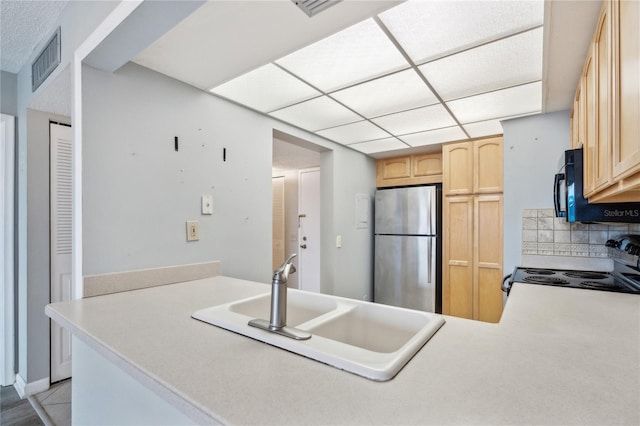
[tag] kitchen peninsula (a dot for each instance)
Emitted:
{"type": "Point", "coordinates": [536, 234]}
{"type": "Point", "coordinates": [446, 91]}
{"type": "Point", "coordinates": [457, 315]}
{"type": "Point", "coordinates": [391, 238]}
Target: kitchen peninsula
{"type": "Point", "coordinates": [558, 356]}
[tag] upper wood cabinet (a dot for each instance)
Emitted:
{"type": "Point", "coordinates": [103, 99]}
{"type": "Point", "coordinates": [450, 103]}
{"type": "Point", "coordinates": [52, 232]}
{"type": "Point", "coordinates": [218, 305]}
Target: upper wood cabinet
{"type": "Point", "coordinates": [473, 167]}
{"type": "Point", "coordinates": [607, 106]}
{"type": "Point", "coordinates": [409, 170]}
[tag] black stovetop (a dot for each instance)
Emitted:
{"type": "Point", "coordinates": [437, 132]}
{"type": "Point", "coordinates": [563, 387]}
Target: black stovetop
{"type": "Point", "coordinates": [590, 280]}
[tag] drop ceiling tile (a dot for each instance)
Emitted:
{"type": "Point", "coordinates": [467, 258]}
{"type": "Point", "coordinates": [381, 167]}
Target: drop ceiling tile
{"type": "Point", "coordinates": [431, 137]}
{"type": "Point", "coordinates": [359, 53]}
{"type": "Point", "coordinates": [354, 132]}
{"type": "Point", "coordinates": [423, 28]}
{"type": "Point", "coordinates": [380, 145]}
{"type": "Point", "coordinates": [416, 120]}
{"type": "Point", "coordinates": [501, 103]}
{"type": "Point", "coordinates": [484, 128]}
{"type": "Point", "coordinates": [393, 93]}
{"type": "Point", "coordinates": [505, 63]}
{"type": "Point", "coordinates": [266, 89]}
{"type": "Point", "coordinates": [316, 114]}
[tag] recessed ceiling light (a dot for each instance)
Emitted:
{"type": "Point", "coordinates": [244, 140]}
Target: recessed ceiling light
{"type": "Point", "coordinates": [505, 63]}
{"type": "Point", "coordinates": [416, 120]}
{"type": "Point", "coordinates": [431, 137]}
{"type": "Point", "coordinates": [431, 29]}
{"type": "Point", "coordinates": [501, 103]}
{"type": "Point", "coordinates": [381, 145]}
{"type": "Point", "coordinates": [396, 92]}
{"type": "Point", "coordinates": [266, 89]}
{"type": "Point", "coordinates": [356, 54]}
{"type": "Point", "coordinates": [354, 132]}
{"type": "Point", "coordinates": [316, 114]}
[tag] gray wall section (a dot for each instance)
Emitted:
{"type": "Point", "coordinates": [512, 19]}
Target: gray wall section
{"type": "Point", "coordinates": [36, 356]}
{"type": "Point", "coordinates": [78, 20]}
{"type": "Point", "coordinates": [8, 93]}
{"type": "Point", "coordinates": [138, 191]}
{"type": "Point", "coordinates": [533, 147]}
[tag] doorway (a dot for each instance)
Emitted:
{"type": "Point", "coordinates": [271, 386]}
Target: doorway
{"type": "Point", "coordinates": [60, 240]}
{"type": "Point", "coordinates": [291, 156]}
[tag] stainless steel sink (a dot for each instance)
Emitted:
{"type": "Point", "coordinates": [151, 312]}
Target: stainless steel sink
{"type": "Point", "coordinates": [368, 339]}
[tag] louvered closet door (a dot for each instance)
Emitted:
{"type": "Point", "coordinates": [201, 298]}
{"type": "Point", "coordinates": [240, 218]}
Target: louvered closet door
{"type": "Point", "coordinates": [60, 211]}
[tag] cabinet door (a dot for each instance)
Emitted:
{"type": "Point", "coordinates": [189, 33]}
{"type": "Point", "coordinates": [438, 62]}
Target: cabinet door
{"type": "Point", "coordinates": [457, 283]}
{"type": "Point", "coordinates": [427, 164]}
{"type": "Point", "coordinates": [626, 148]}
{"type": "Point", "coordinates": [589, 96]}
{"type": "Point", "coordinates": [487, 255]}
{"type": "Point", "coordinates": [395, 168]}
{"type": "Point", "coordinates": [457, 166]}
{"type": "Point", "coordinates": [602, 51]}
{"type": "Point", "coordinates": [487, 166]}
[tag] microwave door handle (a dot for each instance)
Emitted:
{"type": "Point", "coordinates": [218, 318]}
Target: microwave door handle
{"type": "Point", "coordinates": [556, 195]}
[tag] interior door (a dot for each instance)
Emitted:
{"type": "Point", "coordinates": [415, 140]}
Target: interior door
{"type": "Point", "coordinates": [60, 218]}
{"type": "Point", "coordinates": [309, 233]}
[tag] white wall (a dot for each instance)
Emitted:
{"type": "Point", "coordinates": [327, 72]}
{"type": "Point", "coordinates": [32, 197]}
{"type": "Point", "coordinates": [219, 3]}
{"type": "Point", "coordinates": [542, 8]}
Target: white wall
{"type": "Point", "coordinates": [138, 192]}
{"type": "Point", "coordinates": [533, 147]}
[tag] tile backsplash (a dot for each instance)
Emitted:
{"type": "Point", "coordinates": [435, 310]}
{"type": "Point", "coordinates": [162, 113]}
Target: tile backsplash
{"type": "Point", "coordinates": [545, 234]}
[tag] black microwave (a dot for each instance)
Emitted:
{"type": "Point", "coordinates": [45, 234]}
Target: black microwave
{"type": "Point", "coordinates": [569, 201]}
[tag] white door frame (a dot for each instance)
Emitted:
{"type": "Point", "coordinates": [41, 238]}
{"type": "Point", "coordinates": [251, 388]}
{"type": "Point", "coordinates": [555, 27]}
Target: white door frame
{"type": "Point", "coordinates": [7, 270]}
{"type": "Point", "coordinates": [301, 284]}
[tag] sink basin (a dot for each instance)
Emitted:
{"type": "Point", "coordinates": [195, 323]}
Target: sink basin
{"type": "Point", "coordinates": [369, 339]}
{"type": "Point", "coordinates": [301, 307]}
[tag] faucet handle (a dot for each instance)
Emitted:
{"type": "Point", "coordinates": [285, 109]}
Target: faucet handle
{"type": "Point", "coordinates": [282, 267]}
{"type": "Point", "coordinates": [281, 274]}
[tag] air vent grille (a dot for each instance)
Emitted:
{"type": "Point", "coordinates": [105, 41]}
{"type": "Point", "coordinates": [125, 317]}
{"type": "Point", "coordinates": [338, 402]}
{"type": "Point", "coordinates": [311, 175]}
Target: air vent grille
{"type": "Point", "coordinates": [313, 7]}
{"type": "Point", "coordinates": [46, 62]}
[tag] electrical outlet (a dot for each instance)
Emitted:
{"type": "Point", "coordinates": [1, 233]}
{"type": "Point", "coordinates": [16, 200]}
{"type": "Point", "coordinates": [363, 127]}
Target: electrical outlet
{"type": "Point", "coordinates": [193, 231]}
{"type": "Point", "coordinates": [207, 204]}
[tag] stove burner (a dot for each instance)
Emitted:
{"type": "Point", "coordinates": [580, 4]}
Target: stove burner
{"type": "Point", "coordinates": [545, 280]}
{"type": "Point", "coordinates": [539, 271]}
{"type": "Point", "coordinates": [599, 285]}
{"type": "Point", "coordinates": [586, 275]}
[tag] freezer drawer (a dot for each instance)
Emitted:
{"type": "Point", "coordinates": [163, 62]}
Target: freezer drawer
{"type": "Point", "coordinates": [406, 211]}
{"type": "Point", "coordinates": [405, 271]}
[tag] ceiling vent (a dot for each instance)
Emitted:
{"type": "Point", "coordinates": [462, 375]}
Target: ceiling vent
{"type": "Point", "coordinates": [313, 7]}
{"type": "Point", "coordinates": [46, 62]}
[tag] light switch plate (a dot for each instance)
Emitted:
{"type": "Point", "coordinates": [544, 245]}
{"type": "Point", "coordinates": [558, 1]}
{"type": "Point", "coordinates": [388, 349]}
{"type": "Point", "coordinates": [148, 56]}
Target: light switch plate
{"type": "Point", "coordinates": [193, 231]}
{"type": "Point", "coordinates": [207, 204]}
{"type": "Point", "coordinates": [339, 241]}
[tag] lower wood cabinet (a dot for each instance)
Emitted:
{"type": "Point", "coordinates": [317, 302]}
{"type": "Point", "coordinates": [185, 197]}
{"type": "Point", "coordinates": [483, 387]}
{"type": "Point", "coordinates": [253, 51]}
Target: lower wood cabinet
{"type": "Point", "coordinates": [472, 256]}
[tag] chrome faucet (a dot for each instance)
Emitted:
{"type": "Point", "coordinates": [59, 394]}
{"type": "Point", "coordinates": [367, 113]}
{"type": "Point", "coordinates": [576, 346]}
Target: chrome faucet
{"type": "Point", "coordinates": [278, 319]}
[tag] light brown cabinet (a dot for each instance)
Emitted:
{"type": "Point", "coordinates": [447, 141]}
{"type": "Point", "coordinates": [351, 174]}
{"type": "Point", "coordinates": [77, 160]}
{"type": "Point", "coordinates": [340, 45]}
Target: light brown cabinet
{"type": "Point", "coordinates": [416, 169]}
{"type": "Point", "coordinates": [472, 229]}
{"type": "Point", "coordinates": [473, 167]}
{"type": "Point", "coordinates": [605, 114]}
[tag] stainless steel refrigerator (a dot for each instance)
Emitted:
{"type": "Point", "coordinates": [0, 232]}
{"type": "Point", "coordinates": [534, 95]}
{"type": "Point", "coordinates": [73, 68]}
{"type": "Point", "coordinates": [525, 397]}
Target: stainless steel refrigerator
{"type": "Point", "coordinates": [408, 249]}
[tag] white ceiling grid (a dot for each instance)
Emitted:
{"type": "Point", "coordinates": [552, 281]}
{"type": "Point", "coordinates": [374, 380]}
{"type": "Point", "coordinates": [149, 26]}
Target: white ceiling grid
{"type": "Point", "coordinates": [419, 74]}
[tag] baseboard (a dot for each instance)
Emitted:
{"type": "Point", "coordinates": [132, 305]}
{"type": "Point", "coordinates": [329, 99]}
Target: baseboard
{"type": "Point", "coordinates": [26, 389]}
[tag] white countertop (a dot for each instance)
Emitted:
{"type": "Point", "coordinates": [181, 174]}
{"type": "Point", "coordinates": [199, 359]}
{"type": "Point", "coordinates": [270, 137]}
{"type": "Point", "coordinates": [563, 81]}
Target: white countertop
{"type": "Point", "coordinates": [558, 356]}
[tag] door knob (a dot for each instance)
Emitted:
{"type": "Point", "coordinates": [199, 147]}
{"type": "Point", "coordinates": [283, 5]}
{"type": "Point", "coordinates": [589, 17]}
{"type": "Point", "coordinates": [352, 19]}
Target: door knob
{"type": "Point", "coordinates": [304, 246]}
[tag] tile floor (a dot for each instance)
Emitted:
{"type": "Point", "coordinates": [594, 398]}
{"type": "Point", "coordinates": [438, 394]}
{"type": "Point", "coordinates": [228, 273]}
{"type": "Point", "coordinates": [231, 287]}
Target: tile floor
{"type": "Point", "coordinates": [55, 404]}
{"type": "Point", "coordinates": [15, 411]}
